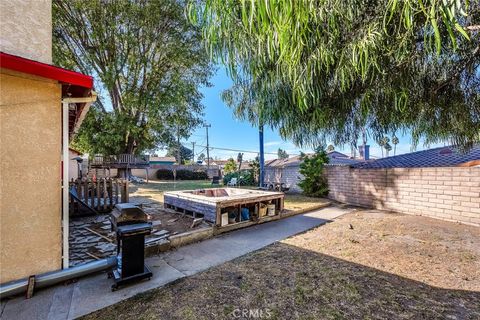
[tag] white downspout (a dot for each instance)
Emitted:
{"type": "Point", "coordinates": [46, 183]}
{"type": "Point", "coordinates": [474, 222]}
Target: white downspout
{"type": "Point", "coordinates": [65, 187]}
{"type": "Point", "coordinates": [66, 176]}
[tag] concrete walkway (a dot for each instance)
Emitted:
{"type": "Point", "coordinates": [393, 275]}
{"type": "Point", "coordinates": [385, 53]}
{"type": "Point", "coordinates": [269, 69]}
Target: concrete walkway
{"type": "Point", "coordinates": [94, 292]}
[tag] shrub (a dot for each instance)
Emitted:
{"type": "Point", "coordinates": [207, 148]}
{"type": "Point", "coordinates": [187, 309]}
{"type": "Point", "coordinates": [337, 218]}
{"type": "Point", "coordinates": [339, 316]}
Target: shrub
{"type": "Point", "coordinates": [182, 174]}
{"type": "Point", "coordinates": [245, 178]}
{"type": "Point", "coordinates": [164, 174]}
{"type": "Point", "coordinates": [314, 183]}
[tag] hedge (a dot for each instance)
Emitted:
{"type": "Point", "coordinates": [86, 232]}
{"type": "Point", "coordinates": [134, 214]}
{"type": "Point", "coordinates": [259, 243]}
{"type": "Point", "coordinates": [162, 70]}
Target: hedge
{"type": "Point", "coordinates": [165, 174]}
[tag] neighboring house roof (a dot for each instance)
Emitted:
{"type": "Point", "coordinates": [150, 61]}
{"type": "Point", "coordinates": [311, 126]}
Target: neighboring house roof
{"type": "Point", "coordinates": [336, 154]}
{"type": "Point", "coordinates": [218, 162]}
{"type": "Point", "coordinates": [245, 165]}
{"type": "Point", "coordinates": [437, 157]}
{"type": "Point", "coordinates": [336, 159]}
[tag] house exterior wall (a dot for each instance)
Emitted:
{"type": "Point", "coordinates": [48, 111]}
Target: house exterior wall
{"type": "Point", "coordinates": [26, 29]}
{"type": "Point", "coordinates": [30, 175]}
{"type": "Point", "coordinates": [448, 193]}
{"type": "Point", "coordinates": [290, 176]}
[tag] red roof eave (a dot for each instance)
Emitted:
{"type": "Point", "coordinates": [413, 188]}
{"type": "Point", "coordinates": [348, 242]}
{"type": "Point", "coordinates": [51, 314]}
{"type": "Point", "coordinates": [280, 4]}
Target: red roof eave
{"type": "Point", "coordinates": [44, 70]}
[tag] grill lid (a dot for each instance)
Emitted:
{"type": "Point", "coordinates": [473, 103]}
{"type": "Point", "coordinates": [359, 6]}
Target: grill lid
{"type": "Point", "coordinates": [125, 213]}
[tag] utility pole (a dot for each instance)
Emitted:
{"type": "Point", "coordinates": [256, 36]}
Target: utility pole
{"type": "Point", "coordinates": [208, 151]}
{"type": "Point", "coordinates": [193, 152]}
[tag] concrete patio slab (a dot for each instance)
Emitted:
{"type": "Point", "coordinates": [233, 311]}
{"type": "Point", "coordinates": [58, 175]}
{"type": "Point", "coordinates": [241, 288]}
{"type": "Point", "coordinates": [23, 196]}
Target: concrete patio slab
{"type": "Point", "coordinates": [94, 292]}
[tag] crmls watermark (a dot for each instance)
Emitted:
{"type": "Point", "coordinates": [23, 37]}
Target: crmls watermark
{"type": "Point", "coordinates": [251, 313]}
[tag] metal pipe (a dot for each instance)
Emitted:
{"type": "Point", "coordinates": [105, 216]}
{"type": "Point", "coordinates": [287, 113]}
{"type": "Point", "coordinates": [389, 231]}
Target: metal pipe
{"type": "Point", "coordinates": [65, 186]}
{"type": "Point", "coordinates": [54, 277]}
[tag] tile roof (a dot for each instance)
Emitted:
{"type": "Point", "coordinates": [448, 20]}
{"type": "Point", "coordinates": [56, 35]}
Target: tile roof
{"type": "Point", "coordinates": [336, 159]}
{"type": "Point", "coordinates": [437, 157]}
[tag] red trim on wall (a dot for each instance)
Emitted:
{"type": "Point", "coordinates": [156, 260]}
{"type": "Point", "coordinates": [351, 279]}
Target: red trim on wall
{"type": "Point", "coordinates": [28, 66]}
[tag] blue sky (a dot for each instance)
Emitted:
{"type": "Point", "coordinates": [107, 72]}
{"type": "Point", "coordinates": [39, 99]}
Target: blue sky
{"type": "Point", "coordinates": [228, 132]}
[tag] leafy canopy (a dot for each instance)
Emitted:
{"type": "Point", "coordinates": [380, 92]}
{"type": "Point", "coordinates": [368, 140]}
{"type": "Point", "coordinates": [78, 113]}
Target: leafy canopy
{"type": "Point", "coordinates": [148, 64]}
{"type": "Point", "coordinates": [327, 69]}
{"type": "Point", "coordinates": [230, 166]}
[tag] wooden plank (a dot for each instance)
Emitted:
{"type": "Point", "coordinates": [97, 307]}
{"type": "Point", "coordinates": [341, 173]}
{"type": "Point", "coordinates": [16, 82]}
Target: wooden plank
{"type": "Point", "coordinates": [98, 234]}
{"type": "Point", "coordinates": [234, 202]}
{"type": "Point", "coordinates": [92, 255]}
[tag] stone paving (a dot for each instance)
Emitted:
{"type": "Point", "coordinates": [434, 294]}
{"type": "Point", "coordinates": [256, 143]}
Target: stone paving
{"type": "Point", "coordinates": [86, 245]}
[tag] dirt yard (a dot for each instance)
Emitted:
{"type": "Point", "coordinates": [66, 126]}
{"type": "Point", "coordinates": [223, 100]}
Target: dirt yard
{"type": "Point", "coordinates": [364, 265]}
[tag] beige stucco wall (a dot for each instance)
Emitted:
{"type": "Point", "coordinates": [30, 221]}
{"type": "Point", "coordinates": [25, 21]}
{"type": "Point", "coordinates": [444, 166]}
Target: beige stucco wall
{"type": "Point", "coordinates": [30, 176]}
{"type": "Point", "coordinates": [26, 29]}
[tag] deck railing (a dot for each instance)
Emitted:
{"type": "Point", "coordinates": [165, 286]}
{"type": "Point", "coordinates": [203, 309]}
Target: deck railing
{"type": "Point", "coordinates": [121, 160]}
{"type": "Point", "coordinates": [97, 195]}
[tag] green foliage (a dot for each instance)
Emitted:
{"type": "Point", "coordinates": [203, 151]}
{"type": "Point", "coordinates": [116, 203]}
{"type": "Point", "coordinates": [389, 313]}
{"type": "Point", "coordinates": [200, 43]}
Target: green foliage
{"type": "Point", "coordinates": [314, 183]}
{"type": "Point", "coordinates": [244, 178]}
{"type": "Point", "coordinates": [148, 64]}
{"type": "Point", "coordinates": [185, 153]}
{"type": "Point", "coordinates": [319, 70]}
{"type": "Point", "coordinates": [230, 166]}
{"type": "Point", "coordinates": [201, 157]}
{"type": "Point", "coordinates": [282, 154]}
{"type": "Point", "coordinates": [330, 148]}
{"type": "Point", "coordinates": [255, 169]}
{"type": "Point", "coordinates": [165, 174]}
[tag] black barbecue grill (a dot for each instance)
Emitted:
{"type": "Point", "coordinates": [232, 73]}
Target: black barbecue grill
{"type": "Point", "coordinates": [131, 226]}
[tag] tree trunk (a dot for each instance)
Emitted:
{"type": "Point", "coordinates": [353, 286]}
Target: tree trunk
{"type": "Point", "coordinates": [124, 173]}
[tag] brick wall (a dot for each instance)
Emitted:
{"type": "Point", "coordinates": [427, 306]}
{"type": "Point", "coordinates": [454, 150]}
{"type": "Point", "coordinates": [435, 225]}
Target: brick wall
{"type": "Point", "coordinates": [444, 193]}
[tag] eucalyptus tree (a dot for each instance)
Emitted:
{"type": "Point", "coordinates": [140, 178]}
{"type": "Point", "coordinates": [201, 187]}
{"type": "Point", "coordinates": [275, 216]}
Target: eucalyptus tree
{"type": "Point", "coordinates": [148, 64]}
{"type": "Point", "coordinates": [326, 69]}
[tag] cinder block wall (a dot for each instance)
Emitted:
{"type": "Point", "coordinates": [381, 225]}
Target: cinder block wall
{"type": "Point", "coordinates": [445, 193]}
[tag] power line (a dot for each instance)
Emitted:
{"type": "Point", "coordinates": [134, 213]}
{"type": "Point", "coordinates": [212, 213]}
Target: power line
{"type": "Point", "coordinates": [238, 150]}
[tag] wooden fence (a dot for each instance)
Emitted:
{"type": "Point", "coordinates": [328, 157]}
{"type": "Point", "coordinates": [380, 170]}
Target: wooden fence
{"type": "Point", "coordinates": [97, 196]}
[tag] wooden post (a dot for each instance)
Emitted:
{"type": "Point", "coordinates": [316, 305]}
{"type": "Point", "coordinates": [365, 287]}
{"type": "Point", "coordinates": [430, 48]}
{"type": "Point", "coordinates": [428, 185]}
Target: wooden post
{"type": "Point", "coordinates": [110, 193]}
{"type": "Point", "coordinates": [85, 191]}
{"type": "Point", "coordinates": [98, 194]}
{"type": "Point", "coordinates": [124, 191]}
{"type": "Point", "coordinates": [104, 194]}
{"type": "Point", "coordinates": [116, 191]}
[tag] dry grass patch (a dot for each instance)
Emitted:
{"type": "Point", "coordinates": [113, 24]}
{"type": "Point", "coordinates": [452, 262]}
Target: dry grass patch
{"type": "Point", "coordinates": [386, 267]}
